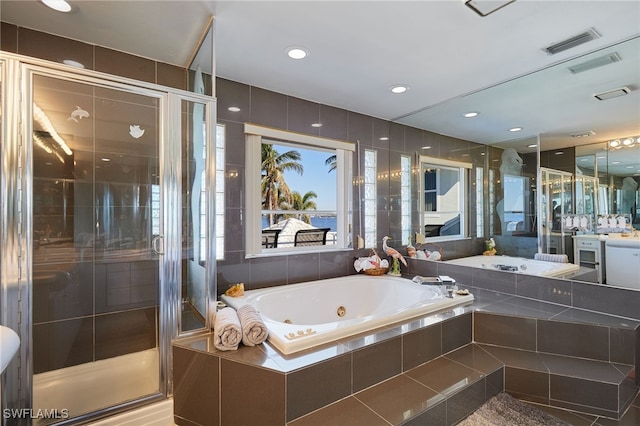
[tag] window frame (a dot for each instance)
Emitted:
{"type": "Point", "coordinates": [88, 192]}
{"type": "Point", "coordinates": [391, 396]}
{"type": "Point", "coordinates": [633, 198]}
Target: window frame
{"type": "Point", "coordinates": [254, 136]}
{"type": "Point", "coordinates": [462, 169]}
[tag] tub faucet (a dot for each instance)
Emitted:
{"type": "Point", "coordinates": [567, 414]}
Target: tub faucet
{"type": "Point", "coordinates": [444, 283]}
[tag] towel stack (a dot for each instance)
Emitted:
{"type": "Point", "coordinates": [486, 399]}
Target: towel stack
{"type": "Point", "coordinates": [231, 327]}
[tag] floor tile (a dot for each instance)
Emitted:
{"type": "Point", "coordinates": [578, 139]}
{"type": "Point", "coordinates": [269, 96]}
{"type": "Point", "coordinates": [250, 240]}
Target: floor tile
{"type": "Point", "coordinates": [571, 417]}
{"type": "Point", "coordinates": [348, 411]}
{"type": "Point", "coordinates": [583, 368]}
{"type": "Point", "coordinates": [517, 358]}
{"type": "Point", "coordinates": [399, 399]}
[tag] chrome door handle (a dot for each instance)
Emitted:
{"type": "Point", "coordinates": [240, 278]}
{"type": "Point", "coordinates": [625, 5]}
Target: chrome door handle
{"type": "Point", "coordinates": [155, 244]}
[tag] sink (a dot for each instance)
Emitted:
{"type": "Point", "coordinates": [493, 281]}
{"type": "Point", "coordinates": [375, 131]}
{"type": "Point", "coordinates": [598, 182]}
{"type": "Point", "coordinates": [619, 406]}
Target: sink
{"type": "Point", "coordinates": [9, 343]}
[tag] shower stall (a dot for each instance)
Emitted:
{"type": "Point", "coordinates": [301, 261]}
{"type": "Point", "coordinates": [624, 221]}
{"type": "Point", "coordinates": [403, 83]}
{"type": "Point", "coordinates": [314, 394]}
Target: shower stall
{"type": "Point", "coordinates": [105, 230]}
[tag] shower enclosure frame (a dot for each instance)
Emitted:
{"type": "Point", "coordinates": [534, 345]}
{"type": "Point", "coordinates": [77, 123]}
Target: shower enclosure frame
{"type": "Point", "coordinates": [16, 227]}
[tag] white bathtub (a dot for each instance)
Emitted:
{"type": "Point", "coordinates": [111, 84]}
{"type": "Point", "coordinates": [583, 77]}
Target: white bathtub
{"type": "Point", "coordinates": [518, 264]}
{"type": "Point", "coordinates": [301, 316]}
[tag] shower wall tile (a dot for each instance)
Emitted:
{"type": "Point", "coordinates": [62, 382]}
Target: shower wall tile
{"type": "Point", "coordinates": [124, 65]}
{"type": "Point", "coordinates": [234, 238]}
{"type": "Point", "coordinates": [8, 37]}
{"type": "Point", "coordinates": [268, 272]}
{"type": "Point", "coordinates": [234, 149]}
{"type": "Point", "coordinates": [303, 267]}
{"type": "Point", "coordinates": [195, 379]}
{"type": "Point", "coordinates": [125, 332]}
{"type": "Point", "coordinates": [54, 48]}
{"type": "Point", "coordinates": [171, 76]}
{"type": "Point", "coordinates": [253, 396]}
{"type": "Point", "coordinates": [331, 381]}
{"type": "Point", "coordinates": [268, 108]}
{"type": "Point", "coordinates": [335, 123]}
{"type": "Point", "coordinates": [62, 344]}
{"type": "Point", "coordinates": [232, 270]}
{"type": "Point", "coordinates": [232, 94]}
{"type": "Point", "coordinates": [301, 114]}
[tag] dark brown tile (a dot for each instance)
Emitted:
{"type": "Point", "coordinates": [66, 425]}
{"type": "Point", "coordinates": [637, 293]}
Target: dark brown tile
{"type": "Point", "coordinates": [62, 344]}
{"type": "Point", "coordinates": [195, 386]}
{"type": "Point", "coordinates": [349, 411]}
{"type": "Point", "coordinates": [421, 346]}
{"type": "Point", "coordinates": [504, 282]}
{"type": "Point", "coordinates": [231, 94]}
{"type": "Point", "coordinates": [476, 358]}
{"type": "Point", "coordinates": [8, 37]}
{"type": "Point", "coordinates": [527, 385]}
{"type": "Point", "coordinates": [457, 332]}
{"type": "Point", "coordinates": [444, 375]}
{"type": "Point", "coordinates": [517, 358]}
{"type": "Point", "coordinates": [263, 388]}
{"type": "Point", "coordinates": [124, 65]}
{"type": "Point", "coordinates": [268, 108]}
{"type": "Point", "coordinates": [171, 76]}
{"type": "Point", "coordinates": [580, 340]}
{"type": "Point", "coordinates": [494, 383]}
{"type": "Point", "coordinates": [585, 393]}
{"type": "Point", "coordinates": [506, 331]}
{"type": "Point", "coordinates": [303, 267]}
{"type": "Point", "coordinates": [54, 48]}
{"type": "Point", "coordinates": [434, 416]}
{"type": "Point", "coordinates": [630, 418]}
{"type": "Point", "coordinates": [585, 368]}
{"type": "Point", "coordinates": [623, 345]}
{"type": "Point", "coordinates": [125, 332]}
{"type": "Point", "coordinates": [334, 122]}
{"type": "Point", "coordinates": [375, 363]}
{"type": "Point", "coordinates": [571, 417]}
{"type": "Point", "coordinates": [399, 398]}
{"type": "Point", "coordinates": [318, 385]}
{"type": "Point", "coordinates": [301, 114]}
{"type": "Point", "coordinates": [465, 402]}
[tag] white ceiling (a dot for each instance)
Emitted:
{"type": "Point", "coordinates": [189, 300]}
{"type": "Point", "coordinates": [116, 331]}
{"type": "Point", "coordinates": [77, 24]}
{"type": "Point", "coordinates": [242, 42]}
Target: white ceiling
{"type": "Point", "coordinates": [452, 59]}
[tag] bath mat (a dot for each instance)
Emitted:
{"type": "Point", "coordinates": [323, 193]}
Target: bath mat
{"type": "Point", "coordinates": [505, 410]}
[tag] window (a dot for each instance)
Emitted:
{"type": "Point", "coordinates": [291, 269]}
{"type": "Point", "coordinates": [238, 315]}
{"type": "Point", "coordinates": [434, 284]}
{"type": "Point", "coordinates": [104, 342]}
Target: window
{"type": "Point", "coordinates": [298, 192]}
{"type": "Point", "coordinates": [220, 176]}
{"type": "Point", "coordinates": [405, 198]}
{"type": "Point", "coordinates": [370, 193]}
{"type": "Point", "coordinates": [443, 198]}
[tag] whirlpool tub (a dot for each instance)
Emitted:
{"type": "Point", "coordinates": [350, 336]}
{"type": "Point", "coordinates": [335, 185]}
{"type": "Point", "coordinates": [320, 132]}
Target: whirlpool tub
{"type": "Point", "coordinates": [519, 264]}
{"type": "Point", "coordinates": [305, 315]}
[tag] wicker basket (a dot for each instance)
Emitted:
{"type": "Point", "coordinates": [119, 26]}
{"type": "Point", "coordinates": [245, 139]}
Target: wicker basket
{"type": "Point", "coordinates": [376, 271]}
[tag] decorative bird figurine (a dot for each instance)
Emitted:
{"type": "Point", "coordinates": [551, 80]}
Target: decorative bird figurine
{"type": "Point", "coordinates": [395, 254]}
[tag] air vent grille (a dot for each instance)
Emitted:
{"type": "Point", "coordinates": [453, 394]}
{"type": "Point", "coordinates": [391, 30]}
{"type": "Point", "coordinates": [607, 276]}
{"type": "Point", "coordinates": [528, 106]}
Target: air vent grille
{"type": "Point", "coordinates": [587, 36]}
{"type": "Point", "coordinates": [595, 63]}
{"type": "Point", "coordinates": [583, 134]}
{"type": "Point", "coordinates": [612, 93]}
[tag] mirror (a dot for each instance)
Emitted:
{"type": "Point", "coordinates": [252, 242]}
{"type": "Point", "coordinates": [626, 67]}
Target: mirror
{"type": "Point", "coordinates": [570, 139]}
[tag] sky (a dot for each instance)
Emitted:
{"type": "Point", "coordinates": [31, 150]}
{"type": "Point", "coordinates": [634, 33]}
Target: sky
{"type": "Point", "coordinates": [316, 177]}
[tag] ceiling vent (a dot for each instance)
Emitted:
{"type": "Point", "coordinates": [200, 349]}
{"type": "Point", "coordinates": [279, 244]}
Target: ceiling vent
{"type": "Point", "coordinates": [590, 34]}
{"type": "Point", "coordinates": [595, 63]}
{"type": "Point", "coordinates": [612, 93]}
{"type": "Point", "coordinates": [583, 134]}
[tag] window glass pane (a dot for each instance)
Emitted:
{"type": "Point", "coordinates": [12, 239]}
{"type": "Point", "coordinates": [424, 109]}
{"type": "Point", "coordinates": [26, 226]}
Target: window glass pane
{"type": "Point", "coordinates": [370, 172]}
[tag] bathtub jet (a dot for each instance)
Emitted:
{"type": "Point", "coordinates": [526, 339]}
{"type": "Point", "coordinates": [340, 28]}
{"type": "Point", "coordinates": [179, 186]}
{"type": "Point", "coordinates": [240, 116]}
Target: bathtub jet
{"type": "Point", "coordinates": [306, 315]}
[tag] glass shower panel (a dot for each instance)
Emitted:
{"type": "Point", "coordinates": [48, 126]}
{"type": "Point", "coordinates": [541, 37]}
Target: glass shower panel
{"type": "Point", "coordinates": [95, 277]}
{"type": "Point", "coordinates": [194, 219]}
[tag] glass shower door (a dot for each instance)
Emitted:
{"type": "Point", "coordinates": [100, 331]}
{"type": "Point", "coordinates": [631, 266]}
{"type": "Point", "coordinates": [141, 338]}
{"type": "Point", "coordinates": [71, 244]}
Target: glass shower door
{"type": "Point", "coordinates": [96, 208]}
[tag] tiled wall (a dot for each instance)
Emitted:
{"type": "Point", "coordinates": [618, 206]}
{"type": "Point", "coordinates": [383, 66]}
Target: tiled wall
{"type": "Point", "coordinates": [259, 106]}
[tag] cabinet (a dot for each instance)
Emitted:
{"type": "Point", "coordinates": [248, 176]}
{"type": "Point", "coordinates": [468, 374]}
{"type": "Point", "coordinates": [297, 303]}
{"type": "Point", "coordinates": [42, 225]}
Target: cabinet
{"type": "Point", "coordinates": [589, 252]}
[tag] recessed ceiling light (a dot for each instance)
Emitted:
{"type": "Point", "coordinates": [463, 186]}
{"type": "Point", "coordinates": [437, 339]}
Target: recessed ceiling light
{"type": "Point", "coordinates": [297, 52]}
{"type": "Point", "coordinates": [471, 114]}
{"type": "Point", "coordinates": [627, 141]}
{"type": "Point", "coordinates": [233, 109]}
{"type": "Point", "coordinates": [316, 125]}
{"type": "Point", "coordinates": [515, 129]}
{"type": "Point", "coordinates": [59, 5]}
{"type": "Point", "coordinates": [614, 143]}
{"type": "Point", "coordinates": [399, 88]}
{"type": "Point", "coordinates": [73, 63]}
{"type": "Point", "coordinates": [384, 138]}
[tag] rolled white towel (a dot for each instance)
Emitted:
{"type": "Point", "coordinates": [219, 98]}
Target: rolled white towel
{"type": "Point", "coordinates": [254, 331]}
{"type": "Point", "coordinates": [227, 332]}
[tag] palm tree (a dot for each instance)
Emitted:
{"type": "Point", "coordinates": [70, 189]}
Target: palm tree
{"type": "Point", "coordinates": [274, 186]}
{"type": "Point", "coordinates": [331, 162]}
{"type": "Point", "coordinates": [301, 202]}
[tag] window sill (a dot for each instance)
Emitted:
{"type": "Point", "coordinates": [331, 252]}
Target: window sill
{"type": "Point", "coordinates": [294, 251]}
{"type": "Point", "coordinates": [444, 239]}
